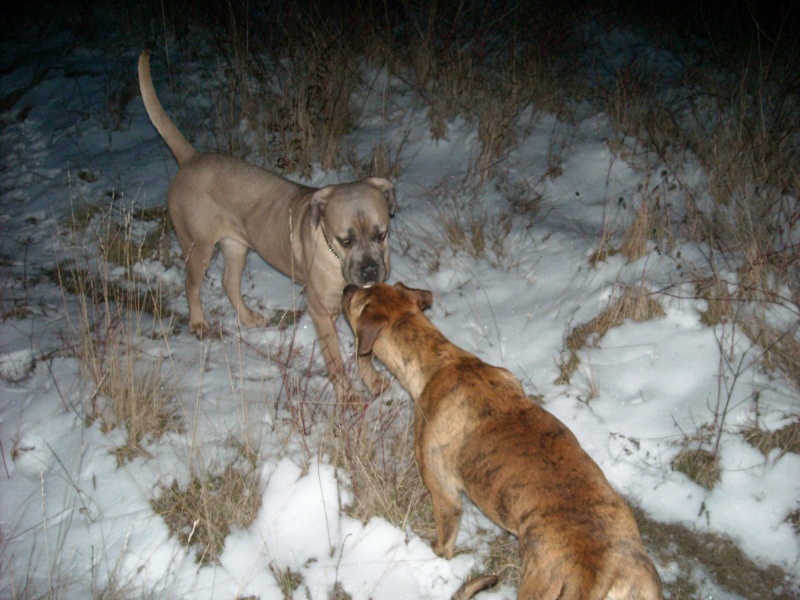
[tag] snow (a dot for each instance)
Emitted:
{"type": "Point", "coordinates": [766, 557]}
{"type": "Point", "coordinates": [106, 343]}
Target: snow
{"type": "Point", "coordinates": [73, 518]}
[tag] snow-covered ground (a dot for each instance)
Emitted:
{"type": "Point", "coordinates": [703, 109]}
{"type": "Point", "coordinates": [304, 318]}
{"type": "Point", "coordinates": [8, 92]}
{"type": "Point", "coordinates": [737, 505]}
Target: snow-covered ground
{"type": "Point", "coordinates": [71, 517]}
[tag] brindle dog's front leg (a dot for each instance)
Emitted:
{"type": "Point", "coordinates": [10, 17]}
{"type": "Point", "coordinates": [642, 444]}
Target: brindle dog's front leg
{"type": "Point", "coordinates": [324, 322]}
{"type": "Point", "coordinates": [375, 382]}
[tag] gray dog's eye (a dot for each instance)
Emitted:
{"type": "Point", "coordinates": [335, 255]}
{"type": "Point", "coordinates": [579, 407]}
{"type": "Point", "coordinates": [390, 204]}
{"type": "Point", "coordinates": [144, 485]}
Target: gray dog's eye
{"type": "Point", "coordinates": [382, 236]}
{"type": "Point", "coordinates": [345, 243]}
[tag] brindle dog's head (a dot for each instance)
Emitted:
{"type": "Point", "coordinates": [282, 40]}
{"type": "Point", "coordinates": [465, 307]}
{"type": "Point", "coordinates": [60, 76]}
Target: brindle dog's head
{"type": "Point", "coordinates": [354, 218]}
{"type": "Point", "coordinates": [370, 310]}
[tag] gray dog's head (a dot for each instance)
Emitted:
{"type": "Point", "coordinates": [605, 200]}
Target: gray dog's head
{"type": "Point", "coordinates": [354, 218]}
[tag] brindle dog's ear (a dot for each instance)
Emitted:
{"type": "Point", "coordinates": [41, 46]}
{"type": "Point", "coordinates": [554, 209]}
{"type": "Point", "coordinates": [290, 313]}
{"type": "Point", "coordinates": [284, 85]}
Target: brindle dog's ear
{"type": "Point", "coordinates": [369, 327]}
{"type": "Point", "coordinates": [423, 298]}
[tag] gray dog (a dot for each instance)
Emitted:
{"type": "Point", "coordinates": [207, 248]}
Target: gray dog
{"type": "Point", "coordinates": [321, 238]}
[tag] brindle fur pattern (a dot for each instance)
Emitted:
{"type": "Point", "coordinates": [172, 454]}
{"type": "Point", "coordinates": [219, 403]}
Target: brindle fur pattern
{"type": "Point", "coordinates": [477, 432]}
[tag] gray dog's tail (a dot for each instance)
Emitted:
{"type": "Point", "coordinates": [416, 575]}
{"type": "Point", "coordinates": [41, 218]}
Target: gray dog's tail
{"type": "Point", "coordinates": [179, 145]}
{"type": "Point", "coordinates": [473, 586]}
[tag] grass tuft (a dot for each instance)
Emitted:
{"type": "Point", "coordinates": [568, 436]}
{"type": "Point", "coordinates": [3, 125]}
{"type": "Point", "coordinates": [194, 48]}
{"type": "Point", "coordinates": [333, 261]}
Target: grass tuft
{"type": "Point", "coordinates": [793, 518]}
{"type": "Point", "coordinates": [714, 290]}
{"type": "Point", "coordinates": [377, 451]}
{"type": "Point", "coordinates": [652, 222]}
{"type": "Point", "coordinates": [288, 580]}
{"type": "Point", "coordinates": [202, 513]}
{"type": "Point", "coordinates": [697, 552]}
{"type": "Point", "coordinates": [635, 304]}
{"type": "Point", "coordinates": [781, 350]}
{"type": "Point", "coordinates": [117, 335]}
{"type": "Point", "coordinates": [787, 439]}
{"type": "Point", "coordinates": [699, 465]}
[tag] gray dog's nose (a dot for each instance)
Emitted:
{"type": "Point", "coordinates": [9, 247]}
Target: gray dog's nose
{"type": "Point", "coordinates": [369, 272]}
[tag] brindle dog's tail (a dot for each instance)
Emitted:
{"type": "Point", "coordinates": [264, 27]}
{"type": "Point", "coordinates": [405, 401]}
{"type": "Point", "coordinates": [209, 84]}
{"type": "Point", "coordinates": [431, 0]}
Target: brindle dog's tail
{"type": "Point", "coordinates": [179, 145]}
{"type": "Point", "coordinates": [473, 586]}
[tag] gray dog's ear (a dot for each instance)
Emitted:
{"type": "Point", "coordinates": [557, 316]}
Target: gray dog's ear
{"type": "Point", "coordinates": [318, 203]}
{"type": "Point", "coordinates": [423, 298]}
{"type": "Point", "coordinates": [369, 326]}
{"type": "Point", "coordinates": [387, 187]}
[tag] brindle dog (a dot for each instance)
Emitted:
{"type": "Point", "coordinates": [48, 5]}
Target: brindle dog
{"type": "Point", "coordinates": [477, 432]}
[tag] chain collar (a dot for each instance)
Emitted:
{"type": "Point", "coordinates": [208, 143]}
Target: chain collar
{"type": "Point", "coordinates": [328, 242]}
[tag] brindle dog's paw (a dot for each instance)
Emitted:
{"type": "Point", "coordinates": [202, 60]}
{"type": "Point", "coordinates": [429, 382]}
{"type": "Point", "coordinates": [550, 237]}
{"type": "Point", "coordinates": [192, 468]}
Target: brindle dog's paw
{"type": "Point", "coordinates": [379, 385]}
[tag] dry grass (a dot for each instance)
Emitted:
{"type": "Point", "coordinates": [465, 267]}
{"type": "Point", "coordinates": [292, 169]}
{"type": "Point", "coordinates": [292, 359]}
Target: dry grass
{"type": "Point", "coordinates": [288, 581]}
{"type": "Point", "coordinates": [471, 231]}
{"type": "Point", "coordinates": [312, 110]}
{"type": "Point", "coordinates": [443, 79]}
{"type": "Point", "coordinates": [382, 161]}
{"type": "Point", "coordinates": [122, 239]}
{"type": "Point", "coordinates": [605, 248]}
{"type": "Point", "coordinates": [780, 349]}
{"type": "Point", "coordinates": [627, 99]}
{"type": "Point", "coordinates": [82, 215]}
{"type": "Point", "coordinates": [794, 520]}
{"type": "Point", "coordinates": [132, 392]}
{"type": "Point", "coordinates": [736, 111]}
{"type": "Point", "coordinates": [652, 222]}
{"type": "Point", "coordinates": [751, 164]}
{"type": "Point", "coordinates": [438, 58]}
{"type": "Point", "coordinates": [202, 513]}
{"type": "Point", "coordinates": [119, 94]}
{"type": "Point", "coordinates": [18, 311]}
{"type": "Point", "coordinates": [465, 226]}
{"type": "Point", "coordinates": [292, 86]}
{"type": "Point", "coordinates": [747, 150]}
{"type": "Point", "coordinates": [99, 289]}
{"type": "Point", "coordinates": [699, 465]}
{"type": "Point", "coordinates": [651, 227]}
{"type": "Point", "coordinates": [787, 439]}
{"type": "Point", "coordinates": [448, 53]}
{"type": "Point", "coordinates": [377, 451]}
{"type": "Point", "coordinates": [503, 559]}
{"type": "Point", "coordinates": [648, 127]}
{"type": "Point", "coordinates": [716, 293]}
{"type": "Point", "coordinates": [116, 338]}
{"type": "Point", "coordinates": [635, 304]}
{"type": "Point", "coordinates": [672, 543]}
{"type": "Point", "coordinates": [498, 108]}
{"type": "Point", "coordinates": [525, 202]}
{"type": "Point", "coordinates": [154, 244]}
{"type": "Point", "coordinates": [290, 91]}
